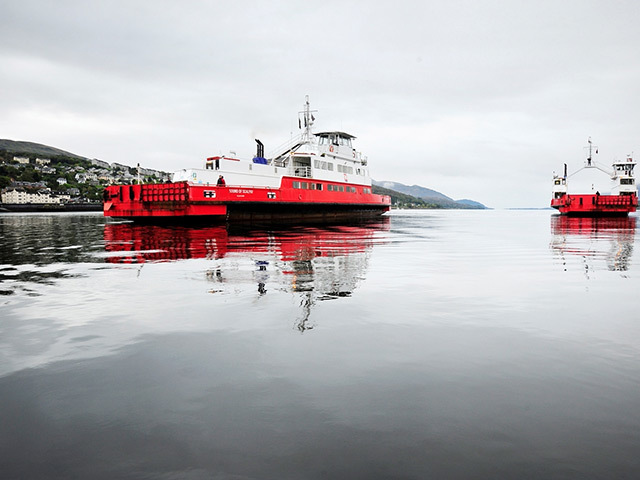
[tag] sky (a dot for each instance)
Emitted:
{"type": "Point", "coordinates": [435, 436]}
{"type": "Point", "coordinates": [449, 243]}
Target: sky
{"type": "Point", "coordinates": [481, 100]}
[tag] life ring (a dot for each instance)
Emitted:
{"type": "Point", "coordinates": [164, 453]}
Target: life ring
{"type": "Point", "coordinates": [331, 148]}
{"type": "Point", "coordinates": [300, 197]}
{"type": "Point", "coordinates": [345, 177]}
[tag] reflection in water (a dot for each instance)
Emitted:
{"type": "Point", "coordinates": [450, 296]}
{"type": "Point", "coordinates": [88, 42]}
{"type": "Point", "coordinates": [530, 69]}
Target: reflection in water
{"type": "Point", "coordinates": [594, 239]}
{"type": "Point", "coordinates": [37, 249]}
{"type": "Point", "coordinates": [459, 355]}
{"type": "Point", "coordinates": [314, 263]}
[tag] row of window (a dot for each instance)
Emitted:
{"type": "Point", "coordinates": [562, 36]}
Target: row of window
{"type": "Point", "coordinates": [346, 169]}
{"type": "Point", "coordinates": [334, 140]}
{"type": "Point", "coordinates": [307, 185]}
{"type": "Point", "coordinates": [330, 187]}
{"type": "Point", "coordinates": [341, 188]}
{"type": "Point", "coordinates": [324, 165]}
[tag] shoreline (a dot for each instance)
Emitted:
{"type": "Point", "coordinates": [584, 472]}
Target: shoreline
{"type": "Point", "coordinates": [49, 207]}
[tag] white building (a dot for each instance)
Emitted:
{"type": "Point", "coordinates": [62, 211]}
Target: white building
{"type": "Point", "coordinates": [20, 195]}
{"type": "Point", "coordinates": [22, 160]}
{"type": "Point", "coordinates": [43, 161]}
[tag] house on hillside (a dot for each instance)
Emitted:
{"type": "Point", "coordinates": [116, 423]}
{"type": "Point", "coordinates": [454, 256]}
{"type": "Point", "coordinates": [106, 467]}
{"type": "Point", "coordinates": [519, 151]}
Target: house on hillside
{"type": "Point", "coordinates": [107, 178]}
{"type": "Point", "coordinates": [99, 163]}
{"type": "Point", "coordinates": [23, 184]}
{"type": "Point", "coordinates": [84, 177]}
{"type": "Point", "coordinates": [119, 166]}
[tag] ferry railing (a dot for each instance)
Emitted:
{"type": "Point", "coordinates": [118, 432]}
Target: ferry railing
{"type": "Point", "coordinates": [286, 147]}
{"type": "Point", "coordinates": [299, 171]}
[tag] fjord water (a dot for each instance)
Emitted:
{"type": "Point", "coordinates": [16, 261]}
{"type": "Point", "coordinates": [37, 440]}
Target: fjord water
{"type": "Point", "coordinates": [434, 344]}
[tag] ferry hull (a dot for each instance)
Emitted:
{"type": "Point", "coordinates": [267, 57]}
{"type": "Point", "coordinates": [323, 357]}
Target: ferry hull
{"type": "Point", "coordinates": [182, 202]}
{"type": "Point", "coordinates": [596, 205]}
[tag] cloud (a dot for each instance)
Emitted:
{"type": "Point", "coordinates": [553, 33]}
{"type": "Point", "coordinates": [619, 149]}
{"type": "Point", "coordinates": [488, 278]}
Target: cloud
{"type": "Point", "coordinates": [490, 97]}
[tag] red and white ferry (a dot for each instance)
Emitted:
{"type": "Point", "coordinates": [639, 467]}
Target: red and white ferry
{"type": "Point", "coordinates": [316, 177]}
{"type": "Point", "coordinates": [620, 200]}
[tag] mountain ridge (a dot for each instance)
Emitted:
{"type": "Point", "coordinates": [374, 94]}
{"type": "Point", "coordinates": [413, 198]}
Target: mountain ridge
{"type": "Point", "coordinates": [430, 196]}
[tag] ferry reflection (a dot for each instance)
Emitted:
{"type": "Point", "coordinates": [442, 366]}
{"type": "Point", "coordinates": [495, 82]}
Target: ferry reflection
{"type": "Point", "coordinates": [594, 240]}
{"type": "Point", "coordinates": [314, 263]}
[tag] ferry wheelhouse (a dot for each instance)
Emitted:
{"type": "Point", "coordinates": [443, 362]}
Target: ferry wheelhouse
{"type": "Point", "coordinates": [316, 177]}
{"type": "Point", "coordinates": [620, 199]}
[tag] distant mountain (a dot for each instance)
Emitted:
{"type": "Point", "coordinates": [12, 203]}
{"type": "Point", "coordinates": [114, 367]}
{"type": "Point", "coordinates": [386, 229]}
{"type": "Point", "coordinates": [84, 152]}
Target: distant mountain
{"type": "Point", "coordinates": [471, 203]}
{"type": "Point", "coordinates": [429, 196]}
{"type": "Point", "coordinates": [402, 199]}
{"type": "Point", "coordinates": [414, 190]}
{"type": "Point", "coordinates": [34, 149]}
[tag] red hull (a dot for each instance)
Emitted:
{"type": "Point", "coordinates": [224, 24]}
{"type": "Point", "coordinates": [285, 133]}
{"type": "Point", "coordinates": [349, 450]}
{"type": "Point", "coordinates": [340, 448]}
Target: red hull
{"type": "Point", "coordinates": [595, 205]}
{"type": "Point", "coordinates": [183, 201]}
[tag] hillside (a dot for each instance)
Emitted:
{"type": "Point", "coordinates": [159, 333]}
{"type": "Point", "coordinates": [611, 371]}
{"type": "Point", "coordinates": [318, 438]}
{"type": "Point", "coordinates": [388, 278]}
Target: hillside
{"type": "Point", "coordinates": [429, 196]}
{"type": "Point", "coordinates": [30, 148]}
{"type": "Point", "coordinates": [36, 167]}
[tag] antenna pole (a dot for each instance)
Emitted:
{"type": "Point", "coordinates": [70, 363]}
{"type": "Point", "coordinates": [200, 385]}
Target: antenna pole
{"type": "Point", "coordinates": [590, 156]}
{"type": "Point", "coordinates": [307, 118]}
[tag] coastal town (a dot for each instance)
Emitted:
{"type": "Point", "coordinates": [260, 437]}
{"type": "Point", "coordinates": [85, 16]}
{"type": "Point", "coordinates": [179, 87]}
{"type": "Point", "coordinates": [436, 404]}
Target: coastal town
{"type": "Point", "coordinates": [34, 180]}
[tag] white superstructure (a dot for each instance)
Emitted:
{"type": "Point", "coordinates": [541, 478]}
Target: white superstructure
{"type": "Point", "coordinates": [622, 179]}
{"type": "Point", "coordinates": [328, 156]}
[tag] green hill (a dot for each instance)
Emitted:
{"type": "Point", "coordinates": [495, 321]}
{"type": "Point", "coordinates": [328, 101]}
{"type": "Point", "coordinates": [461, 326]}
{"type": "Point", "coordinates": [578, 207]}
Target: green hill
{"type": "Point", "coordinates": [63, 171]}
{"type": "Point", "coordinates": [30, 148]}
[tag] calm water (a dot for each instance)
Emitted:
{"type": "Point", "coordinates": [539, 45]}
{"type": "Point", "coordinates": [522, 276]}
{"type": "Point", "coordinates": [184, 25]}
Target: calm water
{"type": "Point", "coordinates": [446, 344]}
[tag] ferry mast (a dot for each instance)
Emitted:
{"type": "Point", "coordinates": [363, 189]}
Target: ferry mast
{"type": "Point", "coordinates": [590, 157]}
{"type": "Point", "coordinates": [307, 119]}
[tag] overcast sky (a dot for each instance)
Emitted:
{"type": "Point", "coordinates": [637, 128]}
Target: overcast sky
{"type": "Point", "coordinates": [475, 99]}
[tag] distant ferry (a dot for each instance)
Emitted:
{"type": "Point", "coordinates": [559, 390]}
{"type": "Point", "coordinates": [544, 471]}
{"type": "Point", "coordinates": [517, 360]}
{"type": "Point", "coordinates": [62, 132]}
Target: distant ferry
{"type": "Point", "coordinates": [621, 200]}
{"type": "Point", "coordinates": [316, 177]}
